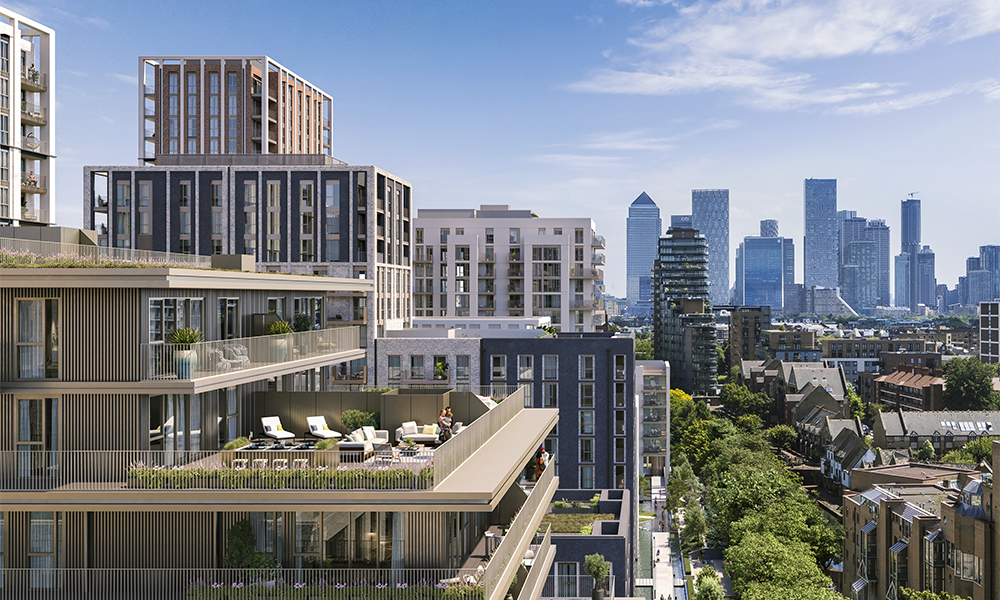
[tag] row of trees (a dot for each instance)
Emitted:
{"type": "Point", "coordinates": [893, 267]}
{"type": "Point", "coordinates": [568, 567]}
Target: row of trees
{"type": "Point", "coordinates": [775, 536]}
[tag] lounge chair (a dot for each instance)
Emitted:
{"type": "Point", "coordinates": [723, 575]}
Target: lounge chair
{"type": "Point", "coordinates": [419, 434]}
{"type": "Point", "coordinates": [273, 429]}
{"type": "Point", "coordinates": [362, 441]}
{"type": "Point", "coordinates": [319, 428]}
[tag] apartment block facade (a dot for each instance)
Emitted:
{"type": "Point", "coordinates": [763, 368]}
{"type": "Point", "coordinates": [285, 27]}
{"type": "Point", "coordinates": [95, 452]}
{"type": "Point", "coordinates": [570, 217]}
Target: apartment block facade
{"type": "Point", "coordinates": [710, 216]}
{"type": "Point", "coordinates": [295, 214]}
{"type": "Point", "coordinates": [28, 132]}
{"type": "Point", "coordinates": [821, 229]}
{"type": "Point", "coordinates": [494, 261]}
{"type": "Point", "coordinates": [229, 105]}
{"type": "Point", "coordinates": [989, 332]}
{"type": "Point", "coordinates": [116, 483]}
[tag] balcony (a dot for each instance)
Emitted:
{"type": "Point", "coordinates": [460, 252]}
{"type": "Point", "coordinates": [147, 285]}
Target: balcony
{"type": "Point", "coordinates": [33, 80]}
{"type": "Point", "coordinates": [149, 133]}
{"type": "Point", "coordinates": [597, 259]}
{"type": "Point", "coordinates": [598, 241]}
{"type": "Point", "coordinates": [584, 273]}
{"type": "Point", "coordinates": [33, 114]}
{"type": "Point", "coordinates": [148, 90]}
{"type": "Point", "coordinates": [33, 144]}
{"type": "Point", "coordinates": [253, 357]}
{"type": "Point", "coordinates": [34, 253]}
{"type": "Point", "coordinates": [33, 184]}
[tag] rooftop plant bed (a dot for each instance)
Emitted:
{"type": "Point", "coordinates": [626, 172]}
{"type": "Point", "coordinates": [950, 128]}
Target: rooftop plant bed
{"type": "Point", "coordinates": [344, 477]}
{"type": "Point", "coordinates": [29, 260]}
{"type": "Point", "coordinates": [571, 523]}
{"type": "Point", "coordinates": [273, 586]}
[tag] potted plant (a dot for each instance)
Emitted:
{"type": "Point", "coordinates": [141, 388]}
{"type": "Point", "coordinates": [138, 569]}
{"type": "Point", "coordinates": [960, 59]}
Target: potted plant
{"type": "Point", "coordinates": [279, 343]}
{"type": "Point", "coordinates": [408, 447]}
{"type": "Point", "coordinates": [302, 322]}
{"type": "Point", "coordinates": [441, 370]}
{"type": "Point", "coordinates": [598, 568]}
{"type": "Point", "coordinates": [185, 358]}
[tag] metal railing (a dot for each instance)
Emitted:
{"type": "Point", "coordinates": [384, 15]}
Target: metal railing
{"type": "Point", "coordinates": [34, 182]}
{"type": "Point", "coordinates": [598, 241]}
{"type": "Point", "coordinates": [297, 467]}
{"type": "Point", "coordinates": [519, 528]}
{"type": "Point", "coordinates": [148, 90]}
{"type": "Point", "coordinates": [578, 587]}
{"type": "Point", "coordinates": [34, 253]}
{"type": "Point", "coordinates": [536, 575]}
{"type": "Point", "coordinates": [34, 77]}
{"type": "Point", "coordinates": [239, 584]}
{"type": "Point", "coordinates": [597, 259]}
{"type": "Point", "coordinates": [30, 142]}
{"type": "Point", "coordinates": [33, 112]}
{"type": "Point", "coordinates": [460, 447]}
{"type": "Point", "coordinates": [205, 359]}
{"type": "Point", "coordinates": [584, 272]}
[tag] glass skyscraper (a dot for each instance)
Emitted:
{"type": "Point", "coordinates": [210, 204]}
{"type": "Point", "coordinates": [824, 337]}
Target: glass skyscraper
{"type": "Point", "coordinates": [710, 216]}
{"type": "Point", "coordinates": [760, 266]}
{"type": "Point", "coordinates": [821, 229]}
{"type": "Point", "coordinates": [643, 233]}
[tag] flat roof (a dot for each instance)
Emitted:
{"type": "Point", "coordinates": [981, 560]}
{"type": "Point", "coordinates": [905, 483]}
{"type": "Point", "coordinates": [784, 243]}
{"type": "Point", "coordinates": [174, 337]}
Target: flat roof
{"type": "Point", "coordinates": [175, 278]}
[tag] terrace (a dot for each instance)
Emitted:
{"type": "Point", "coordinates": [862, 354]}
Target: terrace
{"type": "Point", "coordinates": [21, 253]}
{"type": "Point", "coordinates": [477, 461]}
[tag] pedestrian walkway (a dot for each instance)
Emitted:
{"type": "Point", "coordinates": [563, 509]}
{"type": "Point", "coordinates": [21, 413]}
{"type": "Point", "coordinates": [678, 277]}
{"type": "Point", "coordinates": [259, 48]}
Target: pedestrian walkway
{"type": "Point", "coordinates": [663, 580]}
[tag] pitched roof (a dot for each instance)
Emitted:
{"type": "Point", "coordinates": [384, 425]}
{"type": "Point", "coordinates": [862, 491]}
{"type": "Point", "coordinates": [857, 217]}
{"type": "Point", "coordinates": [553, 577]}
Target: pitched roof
{"type": "Point", "coordinates": [825, 377]}
{"type": "Point", "coordinates": [835, 426]}
{"type": "Point", "coordinates": [643, 199]}
{"type": "Point", "coordinates": [942, 422]}
{"type": "Point", "coordinates": [911, 380]}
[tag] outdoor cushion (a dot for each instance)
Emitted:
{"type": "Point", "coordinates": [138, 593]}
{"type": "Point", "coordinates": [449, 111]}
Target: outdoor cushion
{"type": "Point", "coordinates": [409, 428]}
{"type": "Point", "coordinates": [430, 430]}
{"type": "Point", "coordinates": [369, 432]}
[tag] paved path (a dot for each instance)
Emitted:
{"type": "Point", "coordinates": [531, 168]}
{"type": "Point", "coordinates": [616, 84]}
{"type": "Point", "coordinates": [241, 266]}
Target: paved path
{"type": "Point", "coordinates": [717, 564]}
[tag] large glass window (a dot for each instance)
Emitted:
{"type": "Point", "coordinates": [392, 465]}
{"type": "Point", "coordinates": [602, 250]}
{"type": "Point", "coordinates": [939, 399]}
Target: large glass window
{"type": "Point", "coordinates": [587, 477]}
{"type": "Point", "coordinates": [525, 372]}
{"type": "Point", "coordinates": [499, 366]}
{"type": "Point", "coordinates": [462, 367]}
{"type": "Point", "coordinates": [416, 367]}
{"type": "Point", "coordinates": [586, 367]}
{"type": "Point", "coordinates": [229, 318]}
{"type": "Point", "coordinates": [566, 575]}
{"type": "Point", "coordinates": [550, 366]}
{"type": "Point", "coordinates": [123, 193]}
{"type": "Point", "coordinates": [394, 367]}
{"type": "Point", "coordinates": [37, 437]}
{"type": "Point", "coordinates": [167, 314]}
{"type": "Point", "coordinates": [249, 193]}
{"type": "Point", "coordinates": [38, 339]}
{"type": "Point", "coordinates": [586, 422]}
{"type": "Point", "coordinates": [586, 395]}
{"type": "Point", "coordinates": [586, 450]}
{"type": "Point", "coordinates": [45, 550]}
{"type": "Point", "coordinates": [550, 394]}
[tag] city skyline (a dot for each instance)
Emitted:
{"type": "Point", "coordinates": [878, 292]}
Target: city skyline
{"type": "Point", "coordinates": [897, 112]}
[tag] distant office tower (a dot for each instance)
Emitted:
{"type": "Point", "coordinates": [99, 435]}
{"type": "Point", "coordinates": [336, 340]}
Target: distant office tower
{"type": "Point", "coordinates": [769, 228]}
{"type": "Point", "coordinates": [820, 240]}
{"type": "Point", "coordinates": [683, 324]}
{"type": "Point", "coordinates": [851, 229]}
{"type": "Point", "coordinates": [710, 216]}
{"type": "Point", "coordinates": [681, 222]}
{"type": "Point", "coordinates": [229, 105]}
{"type": "Point", "coordinates": [978, 286]}
{"type": "Point", "coordinates": [989, 260]}
{"type": "Point", "coordinates": [860, 275]}
{"type": "Point", "coordinates": [643, 229]}
{"type": "Point", "coordinates": [902, 268]}
{"type": "Point", "coordinates": [909, 237]}
{"type": "Point", "coordinates": [926, 287]}
{"type": "Point", "coordinates": [760, 267]}
{"type": "Point", "coordinates": [878, 232]}
{"type": "Point", "coordinates": [27, 124]}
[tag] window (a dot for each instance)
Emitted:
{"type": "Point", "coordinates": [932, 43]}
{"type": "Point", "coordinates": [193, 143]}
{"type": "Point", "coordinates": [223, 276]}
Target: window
{"type": "Point", "coordinates": [250, 223]}
{"type": "Point", "coordinates": [586, 395]}
{"type": "Point", "coordinates": [123, 191]}
{"type": "Point", "coordinates": [550, 394]}
{"type": "Point", "coordinates": [276, 306]}
{"type": "Point", "coordinates": [167, 314]}
{"type": "Point", "coordinates": [184, 193]}
{"type": "Point", "coordinates": [45, 550]}
{"type": "Point", "coordinates": [418, 235]}
{"type": "Point", "coordinates": [586, 367]}
{"type": "Point", "coordinates": [619, 366]}
{"type": "Point", "coordinates": [566, 572]}
{"type": "Point", "coordinates": [229, 321]}
{"type": "Point", "coordinates": [38, 339]}
{"type": "Point", "coordinates": [145, 188]}
{"type": "Point", "coordinates": [394, 368]}
{"type": "Point", "coordinates": [586, 450]}
{"type": "Point", "coordinates": [489, 235]}
{"type": "Point", "coordinates": [444, 236]}
{"type": "Point", "coordinates": [619, 422]}
{"type": "Point", "coordinates": [274, 194]}
{"type": "Point", "coordinates": [37, 437]}
{"type": "Point", "coordinates": [144, 223]}
{"type": "Point", "coordinates": [416, 367]}
{"type": "Point", "coordinates": [587, 477]}
{"type": "Point", "coordinates": [332, 194]}
{"type": "Point", "coordinates": [619, 450]}
{"type": "Point", "coordinates": [185, 225]}
{"type": "Point", "coordinates": [217, 223]}
{"type": "Point", "coordinates": [525, 372]}
{"type": "Point", "coordinates": [586, 422]}
{"type": "Point", "coordinates": [307, 223]}
{"type": "Point", "coordinates": [550, 366]}
{"type": "Point", "coordinates": [528, 402]}
{"type": "Point", "coordinates": [462, 367]}
{"type": "Point", "coordinates": [306, 193]}
{"type": "Point", "coordinates": [499, 366]}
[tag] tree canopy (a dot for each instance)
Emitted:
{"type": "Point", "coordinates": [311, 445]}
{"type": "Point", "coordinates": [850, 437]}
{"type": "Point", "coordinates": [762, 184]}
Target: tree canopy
{"type": "Point", "coordinates": [969, 385]}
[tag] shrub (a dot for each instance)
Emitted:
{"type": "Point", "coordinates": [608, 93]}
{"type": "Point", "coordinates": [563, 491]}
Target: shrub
{"type": "Point", "coordinates": [326, 444]}
{"type": "Point", "coordinates": [575, 504]}
{"type": "Point", "coordinates": [355, 419]}
{"type": "Point", "coordinates": [237, 443]}
{"type": "Point", "coordinates": [560, 504]}
{"type": "Point", "coordinates": [598, 568]}
{"type": "Point", "coordinates": [278, 328]}
{"type": "Point", "coordinates": [184, 336]}
{"type": "Point", "coordinates": [302, 322]}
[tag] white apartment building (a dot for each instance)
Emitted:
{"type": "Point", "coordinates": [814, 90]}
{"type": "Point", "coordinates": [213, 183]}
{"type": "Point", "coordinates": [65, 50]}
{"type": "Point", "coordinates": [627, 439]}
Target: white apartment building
{"type": "Point", "coordinates": [498, 262]}
{"type": "Point", "coordinates": [27, 133]}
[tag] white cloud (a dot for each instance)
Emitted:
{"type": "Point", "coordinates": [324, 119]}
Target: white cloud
{"type": "Point", "coordinates": [750, 46]}
{"type": "Point", "coordinates": [131, 79]}
{"type": "Point", "coordinates": [578, 161]}
{"type": "Point", "coordinates": [627, 140]}
{"type": "Point", "coordinates": [989, 88]}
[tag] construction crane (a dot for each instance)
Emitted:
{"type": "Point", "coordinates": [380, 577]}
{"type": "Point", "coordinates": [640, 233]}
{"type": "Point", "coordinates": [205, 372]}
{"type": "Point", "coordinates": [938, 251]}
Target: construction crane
{"type": "Point", "coordinates": [912, 194]}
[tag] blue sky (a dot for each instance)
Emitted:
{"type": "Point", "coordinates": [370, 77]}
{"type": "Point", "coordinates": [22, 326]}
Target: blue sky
{"type": "Point", "coordinates": [574, 108]}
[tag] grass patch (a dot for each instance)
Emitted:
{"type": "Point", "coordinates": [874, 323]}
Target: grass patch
{"type": "Point", "coordinates": [687, 564]}
{"type": "Point", "coordinates": [571, 523]}
{"type": "Point", "coordinates": [646, 513]}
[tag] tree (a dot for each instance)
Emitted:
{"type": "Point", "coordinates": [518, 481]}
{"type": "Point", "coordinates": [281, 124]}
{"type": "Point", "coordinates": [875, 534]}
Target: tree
{"type": "Point", "coordinates": [612, 328]}
{"type": "Point", "coordinates": [739, 399]}
{"type": "Point", "coordinates": [975, 451]}
{"type": "Point", "coordinates": [749, 423]}
{"type": "Point", "coordinates": [644, 346]}
{"type": "Point", "coordinates": [873, 413]}
{"type": "Point", "coordinates": [782, 436]}
{"type": "Point", "coordinates": [708, 585]}
{"type": "Point", "coordinates": [763, 559]}
{"type": "Point", "coordinates": [854, 402]}
{"type": "Point", "coordinates": [694, 526]}
{"type": "Point", "coordinates": [926, 451]}
{"type": "Point", "coordinates": [969, 385]}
